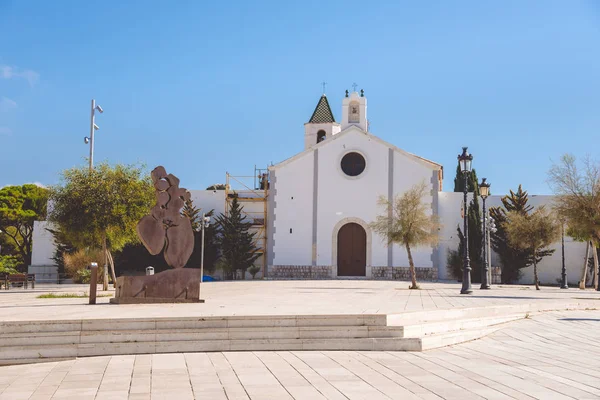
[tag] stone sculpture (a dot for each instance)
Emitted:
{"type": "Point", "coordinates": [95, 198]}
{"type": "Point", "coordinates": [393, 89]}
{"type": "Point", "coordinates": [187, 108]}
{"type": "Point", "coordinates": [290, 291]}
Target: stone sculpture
{"type": "Point", "coordinates": [165, 229]}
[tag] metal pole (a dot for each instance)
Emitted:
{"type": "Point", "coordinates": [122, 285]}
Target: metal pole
{"type": "Point", "coordinates": [489, 257]}
{"type": "Point", "coordinates": [466, 282]}
{"type": "Point", "coordinates": [485, 284]}
{"type": "Point", "coordinates": [202, 257]}
{"type": "Point", "coordinates": [564, 268]}
{"type": "Point", "coordinates": [92, 136]}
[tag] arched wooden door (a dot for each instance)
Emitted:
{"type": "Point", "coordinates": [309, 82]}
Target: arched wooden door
{"type": "Point", "coordinates": [352, 250]}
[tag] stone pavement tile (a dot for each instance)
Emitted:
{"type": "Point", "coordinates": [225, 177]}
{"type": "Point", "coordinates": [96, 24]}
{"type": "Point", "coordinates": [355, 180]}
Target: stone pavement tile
{"type": "Point", "coordinates": [141, 384]}
{"type": "Point", "coordinates": [15, 394]}
{"type": "Point", "coordinates": [317, 381]}
{"type": "Point", "coordinates": [112, 395]}
{"type": "Point", "coordinates": [305, 392]}
{"type": "Point", "coordinates": [81, 384]}
{"type": "Point", "coordinates": [383, 364]}
{"type": "Point", "coordinates": [139, 396]}
{"type": "Point", "coordinates": [475, 371]}
{"type": "Point", "coordinates": [64, 365]}
{"type": "Point", "coordinates": [172, 395]}
{"type": "Point", "coordinates": [81, 377]}
{"type": "Point", "coordinates": [46, 389]}
{"type": "Point", "coordinates": [358, 389]}
{"type": "Point", "coordinates": [275, 392]}
{"type": "Point", "coordinates": [281, 369]}
{"type": "Point", "coordinates": [227, 376]}
{"type": "Point", "coordinates": [41, 396]}
{"type": "Point", "coordinates": [63, 394]}
{"type": "Point", "coordinates": [461, 380]}
{"type": "Point", "coordinates": [371, 376]}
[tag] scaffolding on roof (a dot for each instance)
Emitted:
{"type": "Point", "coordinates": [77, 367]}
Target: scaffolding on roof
{"type": "Point", "coordinates": [254, 191]}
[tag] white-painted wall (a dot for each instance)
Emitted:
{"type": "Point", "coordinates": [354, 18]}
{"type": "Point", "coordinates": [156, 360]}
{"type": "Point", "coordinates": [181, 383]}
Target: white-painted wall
{"type": "Point", "coordinates": [43, 244]}
{"type": "Point", "coordinates": [341, 197]}
{"type": "Point", "coordinates": [549, 269]}
{"type": "Point", "coordinates": [293, 210]}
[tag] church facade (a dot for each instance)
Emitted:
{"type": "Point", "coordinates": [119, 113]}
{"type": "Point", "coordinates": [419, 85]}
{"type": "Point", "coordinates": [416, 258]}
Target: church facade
{"type": "Point", "coordinates": [322, 200]}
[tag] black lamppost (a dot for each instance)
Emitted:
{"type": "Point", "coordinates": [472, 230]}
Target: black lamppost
{"type": "Point", "coordinates": [484, 192]}
{"type": "Point", "coordinates": [464, 160]}
{"type": "Point", "coordinates": [564, 269]}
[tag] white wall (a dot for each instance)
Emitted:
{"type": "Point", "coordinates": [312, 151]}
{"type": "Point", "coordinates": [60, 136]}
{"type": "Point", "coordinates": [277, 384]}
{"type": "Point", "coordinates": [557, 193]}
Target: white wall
{"type": "Point", "coordinates": [208, 200]}
{"type": "Point", "coordinates": [340, 197]}
{"type": "Point", "coordinates": [549, 270]}
{"type": "Point", "coordinates": [293, 210]}
{"type": "Point", "coordinates": [43, 244]}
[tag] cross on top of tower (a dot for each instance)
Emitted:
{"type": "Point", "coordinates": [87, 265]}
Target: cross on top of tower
{"type": "Point", "coordinates": [324, 84]}
{"type": "Point", "coordinates": [354, 85]}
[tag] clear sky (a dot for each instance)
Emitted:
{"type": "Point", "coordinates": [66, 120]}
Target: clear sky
{"type": "Point", "coordinates": [208, 87]}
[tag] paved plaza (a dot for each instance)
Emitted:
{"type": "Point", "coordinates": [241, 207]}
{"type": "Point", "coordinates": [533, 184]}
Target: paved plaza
{"type": "Point", "coordinates": [548, 356]}
{"type": "Point", "coordinates": [287, 298]}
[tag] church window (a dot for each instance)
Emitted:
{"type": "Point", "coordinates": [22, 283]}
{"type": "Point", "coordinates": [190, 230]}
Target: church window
{"type": "Point", "coordinates": [353, 164]}
{"type": "Point", "coordinates": [321, 136]}
{"type": "Point", "coordinates": [354, 114]}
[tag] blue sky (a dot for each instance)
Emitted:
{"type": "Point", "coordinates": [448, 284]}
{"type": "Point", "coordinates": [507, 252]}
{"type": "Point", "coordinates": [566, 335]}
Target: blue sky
{"type": "Point", "coordinates": [209, 87]}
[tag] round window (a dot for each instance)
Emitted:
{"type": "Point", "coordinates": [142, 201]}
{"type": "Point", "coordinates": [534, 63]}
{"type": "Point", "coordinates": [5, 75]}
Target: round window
{"type": "Point", "coordinates": [353, 164]}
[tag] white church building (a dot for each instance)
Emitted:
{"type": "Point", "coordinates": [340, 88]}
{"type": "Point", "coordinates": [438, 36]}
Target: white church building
{"type": "Point", "coordinates": [312, 217]}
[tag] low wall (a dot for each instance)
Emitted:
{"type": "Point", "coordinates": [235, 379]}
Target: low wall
{"type": "Point", "coordinates": [299, 272]}
{"type": "Point", "coordinates": [403, 273]}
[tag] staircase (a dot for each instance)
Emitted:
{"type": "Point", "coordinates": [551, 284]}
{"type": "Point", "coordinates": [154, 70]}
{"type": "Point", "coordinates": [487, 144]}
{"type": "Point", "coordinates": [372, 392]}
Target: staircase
{"type": "Point", "coordinates": [35, 341]}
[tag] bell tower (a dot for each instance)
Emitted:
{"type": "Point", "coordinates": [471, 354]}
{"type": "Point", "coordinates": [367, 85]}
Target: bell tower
{"type": "Point", "coordinates": [321, 125]}
{"type": "Point", "coordinates": [354, 110]}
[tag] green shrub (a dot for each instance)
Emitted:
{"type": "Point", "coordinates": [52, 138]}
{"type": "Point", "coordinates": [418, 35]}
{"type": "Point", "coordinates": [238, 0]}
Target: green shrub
{"type": "Point", "coordinates": [455, 264]}
{"type": "Point", "coordinates": [8, 264]}
{"type": "Point", "coordinates": [82, 276]}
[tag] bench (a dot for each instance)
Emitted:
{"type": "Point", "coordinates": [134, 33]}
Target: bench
{"type": "Point", "coordinates": [8, 279]}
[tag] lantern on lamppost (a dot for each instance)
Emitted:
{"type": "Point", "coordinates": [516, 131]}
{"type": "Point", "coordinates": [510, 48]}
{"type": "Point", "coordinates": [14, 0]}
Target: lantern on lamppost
{"type": "Point", "coordinates": [484, 192]}
{"type": "Point", "coordinates": [464, 161]}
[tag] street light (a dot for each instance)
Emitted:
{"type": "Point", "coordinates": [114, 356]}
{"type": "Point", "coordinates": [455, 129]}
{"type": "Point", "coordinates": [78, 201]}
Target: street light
{"type": "Point", "coordinates": [465, 160]}
{"type": "Point", "coordinates": [204, 223]}
{"type": "Point", "coordinates": [93, 127]}
{"type": "Point", "coordinates": [564, 284]}
{"type": "Point", "coordinates": [484, 192]}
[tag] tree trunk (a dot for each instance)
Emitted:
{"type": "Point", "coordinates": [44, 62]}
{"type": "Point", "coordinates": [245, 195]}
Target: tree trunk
{"type": "Point", "coordinates": [111, 261]}
{"type": "Point", "coordinates": [585, 266]}
{"type": "Point", "coordinates": [595, 254]}
{"type": "Point", "coordinates": [535, 275]}
{"type": "Point", "coordinates": [411, 266]}
{"type": "Point", "coordinates": [104, 252]}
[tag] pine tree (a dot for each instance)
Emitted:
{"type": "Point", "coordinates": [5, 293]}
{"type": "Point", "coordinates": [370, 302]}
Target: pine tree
{"type": "Point", "coordinates": [513, 259]}
{"type": "Point", "coordinates": [474, 220]}
{"type": "Point", "coordinates": [63, 246]}
{"type": "Point", "coordinates": [236, 243]}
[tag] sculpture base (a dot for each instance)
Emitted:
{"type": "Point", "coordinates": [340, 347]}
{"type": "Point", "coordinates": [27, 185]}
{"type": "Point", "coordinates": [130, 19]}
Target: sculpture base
{"type": "Point", "coordinates": [181, 285]}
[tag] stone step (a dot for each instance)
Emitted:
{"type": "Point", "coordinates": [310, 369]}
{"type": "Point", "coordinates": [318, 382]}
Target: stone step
{"type": "Point", "coordinates": [456, 337]}
{"type": "Point", "coordinates": [195, 323]}
{"type": "Point", "coordinates": [49, 340]}
{"type": "Point", "coordinates": [9, 355]}
{"type": "Point", "coordinates": [16, 354]}
{"type": "Point", "coordinates": [432, 328]}
{"type": "Point", "coordinates": [420, 317]}
{"type": "Point", "coordinates": [164, 335]}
